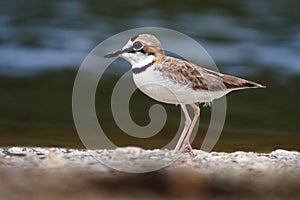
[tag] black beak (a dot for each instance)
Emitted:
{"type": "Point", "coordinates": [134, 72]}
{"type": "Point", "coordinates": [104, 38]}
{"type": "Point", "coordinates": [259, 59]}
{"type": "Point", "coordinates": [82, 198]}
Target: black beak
{"type": "Point", "coordinates": [119, 52]}
{"type": "Point", "coordinates": [115, 54]}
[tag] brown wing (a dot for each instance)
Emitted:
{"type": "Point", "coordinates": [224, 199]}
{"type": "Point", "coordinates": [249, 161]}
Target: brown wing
{"type": "Point", "coordinates": [198, 78]}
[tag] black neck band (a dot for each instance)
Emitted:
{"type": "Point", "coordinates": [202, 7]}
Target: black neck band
{"type": "Point", "coordinates": [141, 69]}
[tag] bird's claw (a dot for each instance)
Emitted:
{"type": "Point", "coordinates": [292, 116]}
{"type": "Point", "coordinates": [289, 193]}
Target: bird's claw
{"type": "Point", "coordinates": [187, 146]}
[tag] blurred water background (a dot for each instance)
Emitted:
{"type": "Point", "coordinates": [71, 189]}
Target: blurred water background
{"type": "Point", "coordinates": [42, 44]}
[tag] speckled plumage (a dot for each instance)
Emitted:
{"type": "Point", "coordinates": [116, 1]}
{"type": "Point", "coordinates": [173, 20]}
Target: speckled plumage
{"type": "Point", "coordinates": [198, 78]}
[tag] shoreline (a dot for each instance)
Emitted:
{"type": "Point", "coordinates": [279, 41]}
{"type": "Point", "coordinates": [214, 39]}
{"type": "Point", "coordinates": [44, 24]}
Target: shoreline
{"type": "Point", "coordinates": [33, 172]}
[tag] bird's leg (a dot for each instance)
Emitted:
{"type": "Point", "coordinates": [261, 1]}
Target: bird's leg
{"type": "Point", "coordinates": [185, 129]}
{"type": "Point", "coordinates": [186, 143]}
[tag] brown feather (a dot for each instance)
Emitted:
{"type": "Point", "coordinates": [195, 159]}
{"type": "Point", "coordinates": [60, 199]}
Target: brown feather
{"type": "Point", "coordinates": [198, 78]}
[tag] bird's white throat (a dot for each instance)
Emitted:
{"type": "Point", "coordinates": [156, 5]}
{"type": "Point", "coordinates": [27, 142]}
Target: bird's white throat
{"type": "Point", "coordinates": [138, 60]}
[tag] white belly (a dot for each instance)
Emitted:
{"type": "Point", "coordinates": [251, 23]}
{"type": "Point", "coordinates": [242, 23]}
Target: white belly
{"type": "Point", "coordinates": [152, 84]}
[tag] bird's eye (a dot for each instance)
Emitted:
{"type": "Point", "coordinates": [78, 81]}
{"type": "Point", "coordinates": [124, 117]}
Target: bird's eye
{"type": "Point", "coordinates": [137, 46]}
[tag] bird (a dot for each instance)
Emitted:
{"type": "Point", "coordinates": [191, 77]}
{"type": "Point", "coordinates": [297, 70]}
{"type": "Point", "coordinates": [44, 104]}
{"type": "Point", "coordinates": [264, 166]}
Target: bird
{"type": "Point", "coordinates": [176, 81]}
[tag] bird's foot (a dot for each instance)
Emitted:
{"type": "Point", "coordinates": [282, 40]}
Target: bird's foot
{"type": "Point", "coordinates": [187, 146]}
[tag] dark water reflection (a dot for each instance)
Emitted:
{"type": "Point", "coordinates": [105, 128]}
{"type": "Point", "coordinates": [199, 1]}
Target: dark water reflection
{"type": "Point", "coordinates": [257, 39]}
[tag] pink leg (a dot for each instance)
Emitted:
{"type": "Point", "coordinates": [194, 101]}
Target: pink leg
{"type": "Point", "coordinates": [185, 129]}
{"type": "Point", "coordinates": [186, 142]}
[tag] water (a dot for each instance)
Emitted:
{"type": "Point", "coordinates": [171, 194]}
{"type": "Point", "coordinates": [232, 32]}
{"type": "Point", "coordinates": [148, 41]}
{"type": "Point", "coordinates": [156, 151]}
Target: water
{"type": "Point", "coordinates": [242, 36]}
{"type": "Point", "coordinates": [42, 44]}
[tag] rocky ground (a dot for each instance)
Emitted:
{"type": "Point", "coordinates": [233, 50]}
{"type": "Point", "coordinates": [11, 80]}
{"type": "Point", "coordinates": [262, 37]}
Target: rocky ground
{"type": "Point", "coordinates": [56, 173]}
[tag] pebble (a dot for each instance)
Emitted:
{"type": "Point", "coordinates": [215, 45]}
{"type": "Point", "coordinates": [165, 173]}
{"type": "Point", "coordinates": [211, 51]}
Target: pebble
{"type": "Point", "coordinates": [54, 159]}
{"type": "Point", "coordinates": [280, 153]}
{"type": "Point", "coordinates": [59, 172]}
{"type": "Point", "coordinates": [135, 159]}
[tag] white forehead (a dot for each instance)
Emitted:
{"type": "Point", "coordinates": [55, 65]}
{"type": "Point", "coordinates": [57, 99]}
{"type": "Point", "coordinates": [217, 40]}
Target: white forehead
{"type": "Point", "coordinates": [128, 44]}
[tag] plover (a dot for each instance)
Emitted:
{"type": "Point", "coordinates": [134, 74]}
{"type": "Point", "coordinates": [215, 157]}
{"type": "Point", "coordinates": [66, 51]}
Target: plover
{"type": "Point", "coordinates": [176, 81]}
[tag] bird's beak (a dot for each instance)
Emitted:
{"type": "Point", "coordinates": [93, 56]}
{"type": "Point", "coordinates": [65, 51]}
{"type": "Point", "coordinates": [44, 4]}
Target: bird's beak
{"type": "Point", "coordinates": [117, 53]}
{"type": "Point", "coordinates": [114, 54]}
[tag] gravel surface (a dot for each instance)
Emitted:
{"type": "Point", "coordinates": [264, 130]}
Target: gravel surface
{"type": "Point", "coordinates": [48, 173]}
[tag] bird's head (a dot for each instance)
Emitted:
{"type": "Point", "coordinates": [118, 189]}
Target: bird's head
{"type": "Point", "coordinates": [140, 50]}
